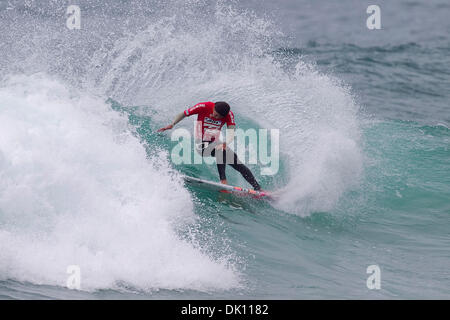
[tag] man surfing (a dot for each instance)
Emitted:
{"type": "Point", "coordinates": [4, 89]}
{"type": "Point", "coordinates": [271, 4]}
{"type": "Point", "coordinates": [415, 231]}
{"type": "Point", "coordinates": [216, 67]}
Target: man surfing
{"type": "Point", "coordinates": [211, 116]}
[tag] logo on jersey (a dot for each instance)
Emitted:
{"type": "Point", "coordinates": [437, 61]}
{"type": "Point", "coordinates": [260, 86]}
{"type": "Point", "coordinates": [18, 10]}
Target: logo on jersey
{"type": "Point", "coordinates": [211, 121]}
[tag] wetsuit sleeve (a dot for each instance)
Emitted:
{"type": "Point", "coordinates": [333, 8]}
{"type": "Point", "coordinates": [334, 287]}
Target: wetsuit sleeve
{"type": "Point", "coordinates": [198, 108]}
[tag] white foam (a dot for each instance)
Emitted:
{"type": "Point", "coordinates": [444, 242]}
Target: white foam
{"type": "Point", "coordinates": [77, 188]}
{"type": "Point", "coordinates": [177, 60]}
{"type": "Point", "coordinates": [176, 64]}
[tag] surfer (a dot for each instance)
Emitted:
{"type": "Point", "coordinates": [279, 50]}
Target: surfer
{"type": "Point", "coordinates": [210, 119]}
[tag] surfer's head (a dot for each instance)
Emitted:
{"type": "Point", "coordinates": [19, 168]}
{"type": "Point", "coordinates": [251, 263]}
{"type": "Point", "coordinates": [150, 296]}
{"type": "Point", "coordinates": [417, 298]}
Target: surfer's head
{"type": "Point", "coordinates": [221, 109]}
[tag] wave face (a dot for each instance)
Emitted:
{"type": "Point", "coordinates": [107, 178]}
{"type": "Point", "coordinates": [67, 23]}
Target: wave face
{"type": "Point", "coordinates": [177, 61]}
{"type": "Point", "coordinates": [86, 180]}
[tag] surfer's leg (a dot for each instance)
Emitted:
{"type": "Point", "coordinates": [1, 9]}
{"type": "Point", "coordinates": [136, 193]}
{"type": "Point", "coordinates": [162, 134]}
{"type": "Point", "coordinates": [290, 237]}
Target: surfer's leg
{"type": "Point", "coordinates": [220, 164]}
{"type": "Point", "coordinates": [221, 169]}
{"type": "Point", "coordinates": [243, 170]}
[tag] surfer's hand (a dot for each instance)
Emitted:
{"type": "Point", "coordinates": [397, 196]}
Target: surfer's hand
{"type": "Point", "coordinates": [170, 126]}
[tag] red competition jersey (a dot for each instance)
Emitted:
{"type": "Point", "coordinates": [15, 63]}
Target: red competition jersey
{"type": "Point", "coordinates": [207, 124]}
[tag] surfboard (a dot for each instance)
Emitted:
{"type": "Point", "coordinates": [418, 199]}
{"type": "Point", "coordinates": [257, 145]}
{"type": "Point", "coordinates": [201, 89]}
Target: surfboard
{"type": "Point", "coordinates": [225, 188]}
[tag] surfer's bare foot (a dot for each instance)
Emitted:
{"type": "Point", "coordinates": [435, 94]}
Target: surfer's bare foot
{"type": "Point", "coordinates": [223, 182]}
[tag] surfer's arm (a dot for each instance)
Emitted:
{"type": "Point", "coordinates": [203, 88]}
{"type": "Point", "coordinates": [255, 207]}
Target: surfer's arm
{"type": "Point", "coordinates": [231, 125]}
{"type": "Point", "coordinates": [177, 119]}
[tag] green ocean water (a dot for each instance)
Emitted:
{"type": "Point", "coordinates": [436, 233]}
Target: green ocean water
{"type": "Point", "coordinates": [397, 219]}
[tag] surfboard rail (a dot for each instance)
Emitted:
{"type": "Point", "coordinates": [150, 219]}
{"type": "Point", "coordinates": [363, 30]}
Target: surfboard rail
{"type": "Point", "coordinates": [225, 187]}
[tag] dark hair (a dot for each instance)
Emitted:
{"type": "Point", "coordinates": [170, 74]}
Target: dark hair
{"type": "Point", "coordinates": [222, 108]}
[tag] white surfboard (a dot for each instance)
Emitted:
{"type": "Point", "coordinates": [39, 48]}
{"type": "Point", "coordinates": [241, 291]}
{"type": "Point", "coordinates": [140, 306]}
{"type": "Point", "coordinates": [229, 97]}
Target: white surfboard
{"type": "Point", "coordinates": [220, 187]}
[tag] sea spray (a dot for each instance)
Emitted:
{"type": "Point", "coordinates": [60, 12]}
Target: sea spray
{"type": "Point", "coordinates": [77, 188]}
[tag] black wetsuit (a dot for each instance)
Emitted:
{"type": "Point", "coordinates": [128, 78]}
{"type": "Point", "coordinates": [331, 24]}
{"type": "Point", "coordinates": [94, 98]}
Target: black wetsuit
{"type": "Point", "coordinates": [230, 158]}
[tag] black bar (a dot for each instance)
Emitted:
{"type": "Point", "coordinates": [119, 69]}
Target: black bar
{"type": "Point", "coordinates": [223, 309]}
